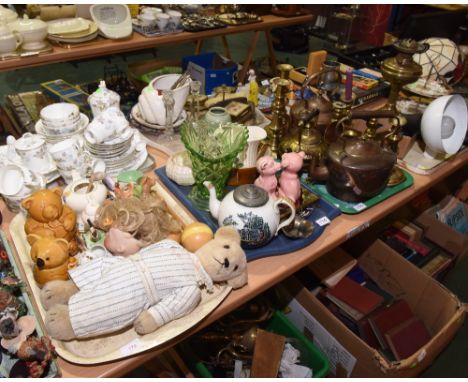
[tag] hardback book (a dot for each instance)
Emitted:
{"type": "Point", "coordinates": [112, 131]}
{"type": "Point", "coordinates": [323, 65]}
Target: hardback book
{"type": "Point", "coordinates": [367, 334]}
{"type": "Point", "coordinates": [348, 293]}
{"type": "Point", "coordinates": [437, 265]}
{"type": "Point", "coordinates": [387, 318]}
{"type": "Point", "coordinates": [332, 267]}
{"type": "Point", "coordinates": [406, 338]}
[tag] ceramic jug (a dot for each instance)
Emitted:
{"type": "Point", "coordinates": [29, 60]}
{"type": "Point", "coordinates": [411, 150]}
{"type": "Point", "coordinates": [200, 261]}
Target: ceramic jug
{"type": "Point", "coordinates": [251, 211]}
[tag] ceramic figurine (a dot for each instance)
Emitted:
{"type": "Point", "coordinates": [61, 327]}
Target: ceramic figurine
{"type": "Point", "coordinates": [128, 184]}
{"type": "Point", "coordinates": [121, 243]}
{"type": "Point", "coordinates": [50, 257]}
{"type": "Point", "coordinates": [267, 168]}
{"type": "Point", "coordinates": [48, 216]}
{"type": "Point", "coordinates": [290, 186]}
{"type": "Point", "coordinates": [9, 309]}
{"type": "Point", "coordinates": [252, 211]}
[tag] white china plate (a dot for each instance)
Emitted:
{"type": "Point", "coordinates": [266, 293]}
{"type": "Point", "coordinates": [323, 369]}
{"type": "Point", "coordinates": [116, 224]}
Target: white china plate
{"type": "Point", "coordinates": [68, 25]}
{"type": "Point", "coordinates": [74, 40]}
{"type": "Point", "coordinates": [84, 121]}
{"type": "Point", "coordinates": [136, 114]}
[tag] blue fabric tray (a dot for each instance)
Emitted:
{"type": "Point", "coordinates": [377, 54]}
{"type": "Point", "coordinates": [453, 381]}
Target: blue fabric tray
{"type": "Point", "coordinates": [279, 245]}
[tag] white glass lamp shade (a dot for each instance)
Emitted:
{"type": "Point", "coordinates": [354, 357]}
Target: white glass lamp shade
{"type": "Point", "coordinates": [444, 125]}
{"type": "Point", "coordinates": [441, 58]}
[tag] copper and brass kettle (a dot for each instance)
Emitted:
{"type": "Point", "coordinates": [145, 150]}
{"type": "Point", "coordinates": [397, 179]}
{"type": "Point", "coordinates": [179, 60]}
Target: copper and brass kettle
{"type": "Point", "coordinates": [358, 169]}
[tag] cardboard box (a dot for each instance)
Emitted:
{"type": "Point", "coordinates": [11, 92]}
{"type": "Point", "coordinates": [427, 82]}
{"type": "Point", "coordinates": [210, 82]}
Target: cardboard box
{"type": "Point", "coordinates": [141, 71]}
{"type": "Point", "coordinates": [211, 70]}
{"type": "Point", "coordinates": [441, 234]}
{"type": "Point", "coordinates": [440, 310]}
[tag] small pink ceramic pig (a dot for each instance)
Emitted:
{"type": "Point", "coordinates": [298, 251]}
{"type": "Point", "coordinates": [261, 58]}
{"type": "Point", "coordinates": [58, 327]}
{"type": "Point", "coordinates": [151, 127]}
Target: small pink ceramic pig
{"type": "Point", "coordinates": [290, 186]}
{"type": "Point", "coordinates": [121, 243]}
{"type": "Point", "coordinates": [267, 168]}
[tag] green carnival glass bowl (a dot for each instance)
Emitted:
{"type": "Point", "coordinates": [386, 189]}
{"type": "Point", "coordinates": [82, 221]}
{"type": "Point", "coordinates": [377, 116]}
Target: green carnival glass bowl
{"type": "Point", "coordinates": [212, 148]}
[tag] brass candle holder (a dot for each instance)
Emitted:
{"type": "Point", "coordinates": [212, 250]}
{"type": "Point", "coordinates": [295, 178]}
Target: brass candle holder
{"type": "Point", "coordinates": [279, 121]}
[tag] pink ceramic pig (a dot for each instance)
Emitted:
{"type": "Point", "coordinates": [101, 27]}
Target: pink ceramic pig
{"type": "Point", "coordinates": [121, 243]}
{"type": "Point", "coordinates": [290, 186]}
{"type": "Point", "coordinates": [267, 168]}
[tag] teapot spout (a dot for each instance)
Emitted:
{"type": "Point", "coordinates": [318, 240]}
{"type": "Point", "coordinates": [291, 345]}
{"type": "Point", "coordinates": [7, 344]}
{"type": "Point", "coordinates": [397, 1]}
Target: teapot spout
{"type": "Point", "coordinates": [214, 202]}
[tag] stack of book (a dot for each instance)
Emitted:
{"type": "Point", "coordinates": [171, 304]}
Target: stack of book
{"type": "Point", "coordinates": [406, 239]}
{"type": "Point", "coordinates": [383, 322]}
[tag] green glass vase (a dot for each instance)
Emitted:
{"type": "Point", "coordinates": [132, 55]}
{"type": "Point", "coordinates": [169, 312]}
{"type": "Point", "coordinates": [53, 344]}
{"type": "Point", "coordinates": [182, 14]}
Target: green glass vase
{"type": "Point", "coordinates": [212, 148]}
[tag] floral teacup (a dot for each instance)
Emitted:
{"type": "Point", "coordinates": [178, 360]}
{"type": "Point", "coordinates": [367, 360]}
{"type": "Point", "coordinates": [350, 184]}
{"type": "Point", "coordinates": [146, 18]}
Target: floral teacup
{"type": "Point", "coordinates": [33, 152]}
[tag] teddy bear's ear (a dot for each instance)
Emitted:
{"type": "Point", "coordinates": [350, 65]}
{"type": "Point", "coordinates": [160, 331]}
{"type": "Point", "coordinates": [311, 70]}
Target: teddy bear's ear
{"type": "Point", "coordinates": [57, 190]}
{"type": "Point", "coordinates": [27, 203]}
{"type": "Point", "coordinates": [239, 281]}
{"type": "Point", "coordinates": [32, 238]}
{"type": "Point", "coordinates": [228, 232]}
{"type": "Point", "coordinates": [62, 243]}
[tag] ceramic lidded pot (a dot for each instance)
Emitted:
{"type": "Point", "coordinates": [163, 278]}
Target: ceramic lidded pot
{"type": "Point", "coordinates": [102, 99]}
{"type": "Point", "coordinates": [34, 32]}
{"type": "Point", "coordinates": [9, 41]}
{"type": "Point", "coordinates": [218, 115]}
{"type": "Point", "coordinates": [252, 212]}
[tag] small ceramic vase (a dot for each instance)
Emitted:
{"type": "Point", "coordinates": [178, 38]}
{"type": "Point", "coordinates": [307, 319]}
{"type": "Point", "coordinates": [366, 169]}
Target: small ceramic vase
{"type": "Point", "coordinates": [217, 115]}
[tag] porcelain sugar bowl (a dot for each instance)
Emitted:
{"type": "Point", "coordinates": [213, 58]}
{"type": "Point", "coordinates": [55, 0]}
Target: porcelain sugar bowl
{"type": "Point", "coordinates": [252, 211]}
{"type": "Point", "coordinates": [102, 99]}
{"type": "Point", "coordinates": [34, 32]}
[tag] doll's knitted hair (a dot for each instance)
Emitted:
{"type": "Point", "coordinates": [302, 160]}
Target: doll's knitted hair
{"type": "Point", "coordinates": [147, 219]}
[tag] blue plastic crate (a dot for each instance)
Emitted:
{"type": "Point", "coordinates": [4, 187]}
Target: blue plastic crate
{"type": "Point", "coordinates": [213, 77]}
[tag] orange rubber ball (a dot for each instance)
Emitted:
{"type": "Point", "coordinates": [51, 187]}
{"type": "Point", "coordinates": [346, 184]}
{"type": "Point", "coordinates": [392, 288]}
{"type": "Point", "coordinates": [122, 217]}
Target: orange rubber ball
{"type": "Point", "coordinates": [195, 235]}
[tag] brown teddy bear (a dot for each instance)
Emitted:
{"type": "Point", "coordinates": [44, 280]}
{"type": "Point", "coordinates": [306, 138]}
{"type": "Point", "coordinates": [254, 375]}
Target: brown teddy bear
{"type": "Point", "coordinates": [147, 290]}
{"type": "Point", "coordinates": [48, 216]}
{"type": "Point", "coordinates": [50, 257]}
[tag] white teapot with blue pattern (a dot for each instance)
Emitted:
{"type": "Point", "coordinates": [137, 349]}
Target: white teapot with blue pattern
{"type": "Point", "coordinates": [253, 212]}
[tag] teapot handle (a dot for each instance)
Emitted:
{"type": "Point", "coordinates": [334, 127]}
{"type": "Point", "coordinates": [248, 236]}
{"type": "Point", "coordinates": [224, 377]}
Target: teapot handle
{"type": "Point", "coordinates": [288, 221]}
{"type": "Point", "coordinates": [19, 39]}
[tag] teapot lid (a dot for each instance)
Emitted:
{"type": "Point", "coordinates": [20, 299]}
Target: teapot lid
{"type": "Point", "coordinates": [250, 195]}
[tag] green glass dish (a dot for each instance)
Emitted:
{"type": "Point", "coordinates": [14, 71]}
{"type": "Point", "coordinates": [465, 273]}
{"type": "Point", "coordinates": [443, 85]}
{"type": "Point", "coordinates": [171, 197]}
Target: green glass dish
{"type": "Point", "coordinates": [212, 149]}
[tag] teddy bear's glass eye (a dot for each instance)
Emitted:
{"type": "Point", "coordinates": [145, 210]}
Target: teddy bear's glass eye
{"type": "Point", "coordinates": [47, 258]}
{"type": "Point", "coordinates": [226, 246]}
{"type": "Point", "coordinates": [236, 268]}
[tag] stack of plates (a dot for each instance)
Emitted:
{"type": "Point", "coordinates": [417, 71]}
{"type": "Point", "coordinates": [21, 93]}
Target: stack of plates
{"type": "Point", "coordinates": [54, 138]}
{"type": "Point", "coordinates": [137, 116]}
{"type": "Point", "coordinates": [72, 30]}
{"type": "Point", "coordinates": [126, 152]}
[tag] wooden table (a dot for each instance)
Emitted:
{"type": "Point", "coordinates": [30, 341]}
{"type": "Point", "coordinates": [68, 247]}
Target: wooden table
{"type": "Point", "coordinates": [105, 47]}
{"type": "Point", "coordinates": [266, 272]}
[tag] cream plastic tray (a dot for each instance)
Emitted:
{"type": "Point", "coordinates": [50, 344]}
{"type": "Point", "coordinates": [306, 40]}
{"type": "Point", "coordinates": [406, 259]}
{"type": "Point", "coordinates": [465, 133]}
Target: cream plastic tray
{"type": "Point", "coordinates": [125, 343]}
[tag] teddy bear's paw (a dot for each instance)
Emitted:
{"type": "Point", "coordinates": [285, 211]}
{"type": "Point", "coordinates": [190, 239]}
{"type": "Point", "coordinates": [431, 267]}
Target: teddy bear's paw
{"type": "Point", "coordinates": [57, 292]}
{"type": "Point", "coordinates": [58, 323]}
{"type": "Point", "coordinates": [145, 323]}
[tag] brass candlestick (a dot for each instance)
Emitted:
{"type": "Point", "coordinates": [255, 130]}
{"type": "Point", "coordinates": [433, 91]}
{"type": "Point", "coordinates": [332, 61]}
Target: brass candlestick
{"type": "Point", "coordinates": [284, 70]}
{"type": "Point", "coordinates": [279, 121]}
{"type": "Point", "coordinates": [341, 112]}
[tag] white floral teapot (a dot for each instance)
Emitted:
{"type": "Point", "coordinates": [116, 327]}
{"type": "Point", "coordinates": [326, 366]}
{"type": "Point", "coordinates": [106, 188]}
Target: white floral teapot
{"type": "Point", "coordinates": [251, 211]}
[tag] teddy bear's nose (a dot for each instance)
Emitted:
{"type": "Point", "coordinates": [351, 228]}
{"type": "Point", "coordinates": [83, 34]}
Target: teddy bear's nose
{"type": "Point", "coordinates": [40, 263]}
{"type": "Point", "coordinates": [226, 262]}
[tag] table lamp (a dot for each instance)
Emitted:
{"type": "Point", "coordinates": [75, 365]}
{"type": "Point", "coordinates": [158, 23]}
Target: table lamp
{"type": "Point", "coordinates": [443, 130]}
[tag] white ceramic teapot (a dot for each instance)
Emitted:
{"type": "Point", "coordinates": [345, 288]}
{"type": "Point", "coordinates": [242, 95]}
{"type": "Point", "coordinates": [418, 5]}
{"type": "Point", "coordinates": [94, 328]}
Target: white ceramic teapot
{"type": "Point", "coordinates": [77, 198]}
{"type": "Point", "coordinates": [34, 32]}
{"type": "Point", "coordinates": [251, 211]}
